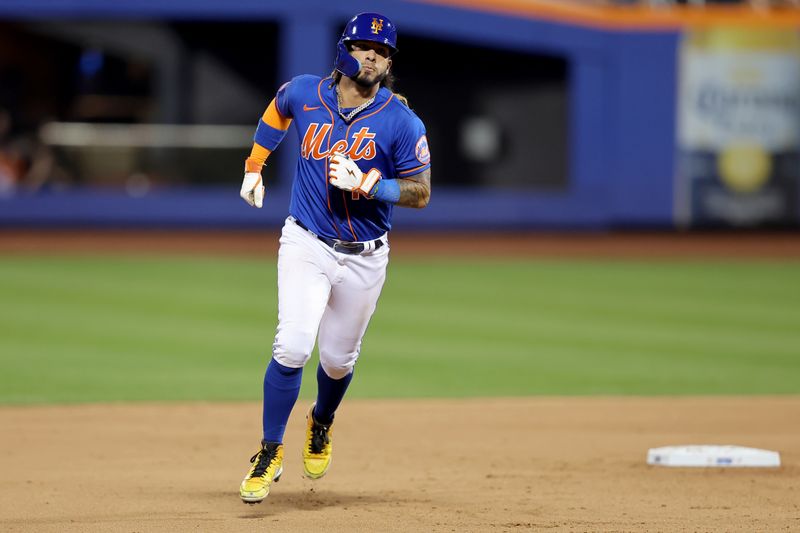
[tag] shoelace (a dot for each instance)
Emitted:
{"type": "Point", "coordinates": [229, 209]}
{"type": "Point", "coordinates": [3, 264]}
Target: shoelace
{"type": "Point", "coordinates": [265, 457]}
{"type": "Point", "coordinates": [319, 438]}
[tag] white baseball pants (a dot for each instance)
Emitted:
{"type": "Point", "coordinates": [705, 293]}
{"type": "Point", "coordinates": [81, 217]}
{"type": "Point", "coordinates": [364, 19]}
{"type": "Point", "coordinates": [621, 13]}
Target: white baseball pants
{"type": "Point", "coordinates": [324, 292]}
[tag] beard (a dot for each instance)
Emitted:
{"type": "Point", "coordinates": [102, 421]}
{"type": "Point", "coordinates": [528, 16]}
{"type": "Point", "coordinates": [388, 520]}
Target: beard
{"type": "Point", "coordinates": [369, 80]}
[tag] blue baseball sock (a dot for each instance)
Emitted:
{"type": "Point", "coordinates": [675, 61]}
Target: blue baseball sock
{"type": "Point", "coordinates": [281, 387]}
{"type": "Point", "coordinates": [329, 395]}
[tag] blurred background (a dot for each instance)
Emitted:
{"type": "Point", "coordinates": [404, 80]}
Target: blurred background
{"type": "Point", "coordinates": [563, 114]}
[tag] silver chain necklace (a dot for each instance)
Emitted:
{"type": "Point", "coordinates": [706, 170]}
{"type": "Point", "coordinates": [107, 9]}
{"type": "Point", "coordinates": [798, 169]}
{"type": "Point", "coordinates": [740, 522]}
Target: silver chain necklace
{"type": "Point", "coordinates": [355, 111]}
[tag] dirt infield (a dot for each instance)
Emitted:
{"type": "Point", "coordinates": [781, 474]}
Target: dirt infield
{"type": "Point", "coordinates": [528, 464]}
{"type": "Point", "coordinates": [665, 245]}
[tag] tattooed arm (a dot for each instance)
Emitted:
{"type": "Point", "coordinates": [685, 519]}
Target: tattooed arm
{"type": "Point", "coordinates": [415, 191]}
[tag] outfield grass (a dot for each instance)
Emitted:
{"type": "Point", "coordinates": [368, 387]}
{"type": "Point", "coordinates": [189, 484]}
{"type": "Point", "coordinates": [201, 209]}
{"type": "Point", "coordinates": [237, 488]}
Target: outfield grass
{"type": "Point", "coordinates": [75, 329]}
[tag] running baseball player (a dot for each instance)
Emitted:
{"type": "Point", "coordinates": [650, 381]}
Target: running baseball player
{"type": "Point", "coordinates": [363, 151]}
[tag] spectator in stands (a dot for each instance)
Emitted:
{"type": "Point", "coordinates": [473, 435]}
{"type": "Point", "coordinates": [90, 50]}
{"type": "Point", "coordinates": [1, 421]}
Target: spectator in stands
{"type": "Point", "coordinates": [11, 165]}
{"type": "Point", "coordinates": [26, 164]}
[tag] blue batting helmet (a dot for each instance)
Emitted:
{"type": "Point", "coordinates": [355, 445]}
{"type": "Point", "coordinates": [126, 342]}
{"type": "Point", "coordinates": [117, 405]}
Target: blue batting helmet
{"type": "Point", "coordinates": [371, 27]}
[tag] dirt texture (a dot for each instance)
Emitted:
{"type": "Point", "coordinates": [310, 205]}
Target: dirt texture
{"type": "Point", "coordinates": [514, 464]}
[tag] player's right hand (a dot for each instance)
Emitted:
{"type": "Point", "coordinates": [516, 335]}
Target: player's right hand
{"type": "Point", "coordinates": [344, 174]}
{"type": "Point", "coordinates": [252, 189]}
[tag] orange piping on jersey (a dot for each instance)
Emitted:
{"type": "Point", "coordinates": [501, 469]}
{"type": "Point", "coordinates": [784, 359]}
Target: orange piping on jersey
{"type": "Point", "coordinates": [325, 177]}
{"type": "Point", "coordinates": [367, 116]}
{"type": "Point", "coordinates": [347, 133]}
{"type": "Point", "coordinates": [274, 118]}
{"type": "Point", "coordinates": [347, 211]}
{"type": "Point", "coordinates": [347, 136]}
{"type": "Point", "coordinates": [638, 17]}
{"type": "Point", "coordinates": [414, 169]}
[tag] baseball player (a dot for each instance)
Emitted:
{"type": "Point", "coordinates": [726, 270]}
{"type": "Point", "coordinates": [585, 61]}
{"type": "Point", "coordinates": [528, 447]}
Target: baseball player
{"type": "Point", "coordinates": [363, 151]}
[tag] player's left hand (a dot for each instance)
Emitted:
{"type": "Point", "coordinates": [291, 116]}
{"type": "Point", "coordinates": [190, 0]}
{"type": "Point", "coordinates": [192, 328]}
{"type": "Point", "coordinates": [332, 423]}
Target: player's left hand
{"type": "Point", "coordinates": [345, 174]}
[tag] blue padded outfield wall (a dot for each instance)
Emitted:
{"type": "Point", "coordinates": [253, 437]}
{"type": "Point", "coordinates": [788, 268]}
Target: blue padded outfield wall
{"type": "Point", "coordinates": [622, 118]}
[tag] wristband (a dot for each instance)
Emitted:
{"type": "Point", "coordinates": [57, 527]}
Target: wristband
{"type": "Point", "coordinates": [387, 191]}
{"type": "Point", "coordinates": [267, 136]}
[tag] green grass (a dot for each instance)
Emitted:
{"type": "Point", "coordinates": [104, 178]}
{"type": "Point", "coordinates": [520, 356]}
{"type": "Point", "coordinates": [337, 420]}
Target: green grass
{"type": "Point", "coordinates": [76, 329]}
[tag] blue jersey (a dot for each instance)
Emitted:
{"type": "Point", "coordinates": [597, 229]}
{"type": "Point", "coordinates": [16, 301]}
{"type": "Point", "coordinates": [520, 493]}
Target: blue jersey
{"type": "Point", "coordinates": [386, 135]}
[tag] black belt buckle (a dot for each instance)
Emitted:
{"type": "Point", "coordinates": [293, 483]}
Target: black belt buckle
{"type": "Point", "coordinates": [343, 247]}
{"type": "Point", "coordinates": [350, 248]}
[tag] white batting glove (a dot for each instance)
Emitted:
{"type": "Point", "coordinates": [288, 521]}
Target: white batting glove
{"type": "Point", "coordinates": [345, 174]}
{"type": "Point", "coordinates": [252, 189]}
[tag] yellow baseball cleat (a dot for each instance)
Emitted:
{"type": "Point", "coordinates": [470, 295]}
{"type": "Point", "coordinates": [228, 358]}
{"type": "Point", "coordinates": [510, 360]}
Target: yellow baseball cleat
{"type": "Point", "coordinates": [267, 467]}
{"type": "Point", "coordinates": [318, 447]}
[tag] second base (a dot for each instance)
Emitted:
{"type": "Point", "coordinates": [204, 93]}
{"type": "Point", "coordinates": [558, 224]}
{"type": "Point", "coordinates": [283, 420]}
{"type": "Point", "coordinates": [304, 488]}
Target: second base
{"type": "Point", "coordinates": [712, 456]}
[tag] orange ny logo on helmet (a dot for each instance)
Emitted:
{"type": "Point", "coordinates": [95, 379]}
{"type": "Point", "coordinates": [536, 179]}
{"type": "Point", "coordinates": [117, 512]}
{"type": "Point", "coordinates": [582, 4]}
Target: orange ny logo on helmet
{"type": "Point", "coordinates": [377, 25]}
